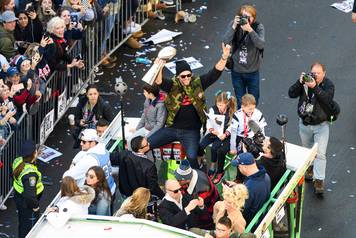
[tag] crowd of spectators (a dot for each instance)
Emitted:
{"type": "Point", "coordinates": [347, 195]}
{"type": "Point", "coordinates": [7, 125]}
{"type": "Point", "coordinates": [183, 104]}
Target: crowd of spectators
{"type": "Point", "coordinates": [174, 110]}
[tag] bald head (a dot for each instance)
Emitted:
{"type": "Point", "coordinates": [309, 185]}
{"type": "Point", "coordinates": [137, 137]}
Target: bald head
{"type": "Point", "coordinates": [172, 184]}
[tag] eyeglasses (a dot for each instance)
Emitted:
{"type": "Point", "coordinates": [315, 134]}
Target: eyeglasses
{"type": "Point", "coordinates": [185, 76]}
{"type": "Point", "coordinates": [175, 191]}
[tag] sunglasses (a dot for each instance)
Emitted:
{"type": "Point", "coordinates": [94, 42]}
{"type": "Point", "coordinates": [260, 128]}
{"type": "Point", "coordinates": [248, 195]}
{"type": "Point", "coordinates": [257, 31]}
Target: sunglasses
{"type": "Point", "coordinates": [90, 176]}
{"type": "Point", "coordinates": [84, 141]}
{"type": "Point", "coordinates": [175, 191]}
{"type": "Point", "coordinates": [185, 76]}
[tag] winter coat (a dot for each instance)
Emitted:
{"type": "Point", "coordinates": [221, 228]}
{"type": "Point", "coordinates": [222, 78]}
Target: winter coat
{"type": "Point", "coordinates": [31, 33]}
{"type": "Point", "coordinates": [83, 161]}
{"type": "Point", "coordinates": [56, 54]}
{"type": "Point", "coordinates": [134, 172]}
{"type": "Point", "coordinates": [153, 117]}
{"type": "Point", "coordinates": [77, 205]}
{"type": "Point", "coordinates": [321, 94]}
{"type": "Point", "coordinates": [101, 109]}
{"type": "Point", "coordinates": [259, 188]}
{"type": "Point", "coordinates": [275, 168]}
{"type": "Point", "coordinates": [7, 43]}
{"type": "Point", "coordinates": [173, 215]}
{"type": "Point", "coordinates": [71, 206]}
{"type": "Point", "coordinates": [101, 205]}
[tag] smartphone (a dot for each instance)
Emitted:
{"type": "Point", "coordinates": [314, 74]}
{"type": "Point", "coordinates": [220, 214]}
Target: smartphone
{"type": "Point", "coordinates": [78, 57]}
{"type": "Point", "coordinates": [74, 19]}
{"type": "Point", "coordinates": [18, 87]}
{"type": "Point", "coordinates": [46, 35]}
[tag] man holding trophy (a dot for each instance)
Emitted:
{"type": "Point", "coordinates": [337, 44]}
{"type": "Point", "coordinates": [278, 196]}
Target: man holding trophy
{"type": "Point", "coordinates": [185, 103]}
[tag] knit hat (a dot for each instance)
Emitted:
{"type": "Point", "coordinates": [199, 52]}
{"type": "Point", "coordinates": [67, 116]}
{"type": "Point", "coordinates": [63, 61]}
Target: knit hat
{"type": "Point", "coordinates": [28, 147]}
{"type": "Point", "coordinates": [18, 61]}
{"type": "Point", "coordinates": [243, 159]}
{"type": "Point", "coordinates": [89, 135]}
{"type": "Point", "coordinates": [184, 171]}
{"type": "Point", "coordinates": [181, 66]}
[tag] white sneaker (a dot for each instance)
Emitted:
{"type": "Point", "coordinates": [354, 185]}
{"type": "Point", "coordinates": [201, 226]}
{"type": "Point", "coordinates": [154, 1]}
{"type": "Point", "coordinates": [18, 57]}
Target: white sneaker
{"type": "Point", "coordinates": [168, 2]}
{"type": "Point", "coordinates": [134, 27]}
{"type": "Point", "coordinates": [160, 15]}
{"type": "Point", "coordinates": [3, 207]}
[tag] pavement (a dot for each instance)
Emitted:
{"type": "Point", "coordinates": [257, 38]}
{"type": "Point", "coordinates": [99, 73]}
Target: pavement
{"type": "Point", "coordinates": [298, 33]}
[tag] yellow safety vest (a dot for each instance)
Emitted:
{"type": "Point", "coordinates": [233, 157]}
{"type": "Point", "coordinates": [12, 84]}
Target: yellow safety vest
{"type": "Point", "coordinates": [29, 168]}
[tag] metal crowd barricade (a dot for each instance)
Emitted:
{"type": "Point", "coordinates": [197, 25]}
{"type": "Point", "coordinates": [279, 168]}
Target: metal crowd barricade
{"type": "Point", "coordinates": [64, 87]}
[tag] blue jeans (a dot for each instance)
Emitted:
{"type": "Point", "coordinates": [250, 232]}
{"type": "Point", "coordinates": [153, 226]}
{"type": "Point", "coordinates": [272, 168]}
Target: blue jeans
{"type": "Point", "coordinates": [246, 83]}
{"type": "Point", "coordinates": [109, 26]}
{"type": "Point", "coordinates": [316, 134]}
{"type": "Point", "coordinates": [188, 138]}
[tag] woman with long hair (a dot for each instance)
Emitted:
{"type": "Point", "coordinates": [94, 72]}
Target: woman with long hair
{"type": "Point", "coordinates": [7, 5]}
{"type": "Point", "coordinates": [89, 110]}
{"type": "Point", "coordinates": [95, 178]}
{"type": "Point", "coordinates": [135, 205]}
{"type": "Point", "coordinates": [74, 201]}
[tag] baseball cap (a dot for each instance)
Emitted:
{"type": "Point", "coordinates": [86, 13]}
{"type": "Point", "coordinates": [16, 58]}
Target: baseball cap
{"type": "Point", "coordinates": [243, 159]}
{"type": "Point", "coordinates": [28, 147]}
{"type": "Point", "coordinates": [12, 71]}
{"type": "Point", "coordinates": [89, 135]}
{"type": "Point", "coordinates": [8, 16]}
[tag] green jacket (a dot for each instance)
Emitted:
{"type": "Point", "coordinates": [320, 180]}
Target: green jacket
{"type": "Point", "coordinates": [175, 97]}
{"type": "Point", "coordinates": [7, 43]}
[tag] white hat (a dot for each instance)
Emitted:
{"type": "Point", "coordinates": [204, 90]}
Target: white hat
{"type": "Point", "coordinates": [89, 135]}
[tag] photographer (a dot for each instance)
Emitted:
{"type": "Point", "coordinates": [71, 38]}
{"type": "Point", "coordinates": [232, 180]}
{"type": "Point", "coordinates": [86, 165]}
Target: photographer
{"type": "Point", "coordinates": [273, 159]}
{"type": "Point", "coordinates": [314, 91]}
{"type": "Point", "coordinates": [247, 38]}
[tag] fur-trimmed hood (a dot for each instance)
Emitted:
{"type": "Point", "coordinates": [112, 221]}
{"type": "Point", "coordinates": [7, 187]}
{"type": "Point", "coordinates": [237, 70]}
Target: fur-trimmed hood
{"type": "Point", "coordinates": [86, 197]}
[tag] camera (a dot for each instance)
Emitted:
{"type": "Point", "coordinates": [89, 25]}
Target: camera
{"type": "Point", "coordinates": [254, 145]}
{"type": "Point", "coordinates": [243, 20]}
{"type": "Point", "coordinates": [308, 78]}
{"type": "Point", "coordinates": [30, 8]}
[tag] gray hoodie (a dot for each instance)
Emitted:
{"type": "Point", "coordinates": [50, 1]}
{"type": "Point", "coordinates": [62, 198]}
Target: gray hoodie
{"type": "Point", "coordinates": [254, 42]}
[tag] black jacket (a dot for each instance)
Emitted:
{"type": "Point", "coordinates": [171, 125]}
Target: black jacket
{"type": "Point", "coordinates": [56, 54]}
{"type": "Point", "coordinates": [100, 110]}
{"type": "Point", "coordinates": [31, 33]}
{"type": "Point", "coordinates": [135, 172]}
{"type": "Point", "coordinates": [275, 168]}
{"type": "Point", "coordinates": [171, 215]}
{"type": "Point", "coordinates": [321, 94]}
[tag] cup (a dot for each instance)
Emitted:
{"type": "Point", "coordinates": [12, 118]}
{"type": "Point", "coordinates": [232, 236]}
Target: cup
{"type": "Point", "coordinates": [71, 119]}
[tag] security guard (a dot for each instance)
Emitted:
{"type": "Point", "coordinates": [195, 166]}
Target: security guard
{"type": "Point", "coordinates": [28, 187]}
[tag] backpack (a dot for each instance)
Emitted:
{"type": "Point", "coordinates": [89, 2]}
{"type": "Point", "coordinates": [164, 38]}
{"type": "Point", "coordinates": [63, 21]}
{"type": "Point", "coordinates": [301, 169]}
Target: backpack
{"type": "Point", "coordinates": [332, 110]}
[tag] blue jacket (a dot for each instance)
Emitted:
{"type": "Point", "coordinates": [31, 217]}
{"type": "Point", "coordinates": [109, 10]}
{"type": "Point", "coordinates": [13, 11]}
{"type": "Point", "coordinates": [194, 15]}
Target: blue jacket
{"type": "Point", "coordinates": [259, 188]}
